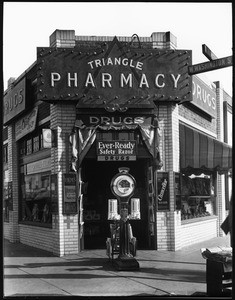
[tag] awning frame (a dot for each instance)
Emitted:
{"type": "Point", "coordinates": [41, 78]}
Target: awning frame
{"type": "Point", "coordinates": [201, 152]}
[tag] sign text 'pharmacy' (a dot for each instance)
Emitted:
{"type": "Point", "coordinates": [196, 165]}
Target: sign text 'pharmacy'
{"type": "Point", "coordinates": [119, 76]}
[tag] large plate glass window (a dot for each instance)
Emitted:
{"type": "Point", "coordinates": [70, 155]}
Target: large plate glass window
{"type": "Point", "coordinates": [198, 196]}
{"type": "Point", "coordinates": [36, 198]}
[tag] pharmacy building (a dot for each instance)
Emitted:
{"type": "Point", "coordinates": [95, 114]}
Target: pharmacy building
{"type": "Point", "coordinates": [91, 107]}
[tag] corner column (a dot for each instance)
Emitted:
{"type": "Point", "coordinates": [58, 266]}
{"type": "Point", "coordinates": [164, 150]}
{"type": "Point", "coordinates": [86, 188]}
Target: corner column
{"type": "Point", "coordinates": [65, 226]}
{"type": "Point", "coordinates": [13, 167]}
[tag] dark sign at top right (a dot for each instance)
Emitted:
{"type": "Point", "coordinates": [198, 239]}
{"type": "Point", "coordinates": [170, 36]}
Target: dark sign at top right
{"type": "Point", "coordinates": [211, 65]}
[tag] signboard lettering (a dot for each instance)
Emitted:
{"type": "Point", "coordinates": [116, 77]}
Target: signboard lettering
{"type": "Point", "coordinates": [118, 79]}
{"type": "Point", "coordinates": [26, 124]}
{"type": "Point", "coordinates": [70, 195]}
{"type": "Point", "coordinates": [164, 185]}
{"type": "Point", "coordinates": [14, 101]}
{"type": "Point", "coordinates": [116, 61]}
{"type": "Point", "coordinates": [163, 191]}
{"type": "Point", "coordinates": [107, 80]}
{"type": "Point", "coordinates": [211, 65]}
{"type": "Point", "coordinates": [93, 120]}
{"type": "Point", "coordinates": [39, 166]}
{"type": "Point", "coordinates": [116, 150]}
{"type": "Point", "coordinates": [203, 97]}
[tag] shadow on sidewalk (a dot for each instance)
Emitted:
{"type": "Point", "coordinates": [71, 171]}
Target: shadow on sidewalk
{"type": "Point", "coordinates": [21, 250]}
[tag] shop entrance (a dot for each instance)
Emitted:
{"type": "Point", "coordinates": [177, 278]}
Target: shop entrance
{"type": "Point", "coordinates": [97, 178]}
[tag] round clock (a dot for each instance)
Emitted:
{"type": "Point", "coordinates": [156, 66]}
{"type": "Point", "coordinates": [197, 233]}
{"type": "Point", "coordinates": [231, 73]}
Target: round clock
{"type": "Point", "coordinates": [123, 185]}
{"type": "Point", "coordinates": [47, 135]}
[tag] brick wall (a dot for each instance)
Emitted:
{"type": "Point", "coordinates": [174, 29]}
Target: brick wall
{"type": "Point", "coordinates": [7, 230]}
{"type": "Point", "coordinates": [38, 237]}
{"type": "Point", "coordinates": [13, 233]}
{"type": "Point", "coordinates": [220, 178]}
{"type": "Point", "coordinates": [62, 238]}
{"type": "Point", "coordinates": [197, 232]}
{"type": "Point", "coordinates": [169, 150]}
{"type": "Point", "coordinates": [67, 38]}
{"type": "Point", "coordinates": [66, 232]}
{"type": "Point", "coordinates": [171, 233]}
{"type": "Point", "coordinates": [219, 108]}
{"type": "Point", "coordinates": [208, 124]}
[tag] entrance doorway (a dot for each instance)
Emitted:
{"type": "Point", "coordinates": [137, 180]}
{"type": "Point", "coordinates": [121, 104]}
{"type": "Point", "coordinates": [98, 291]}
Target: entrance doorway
{"type": "Point", "coordinates": [97, 177]}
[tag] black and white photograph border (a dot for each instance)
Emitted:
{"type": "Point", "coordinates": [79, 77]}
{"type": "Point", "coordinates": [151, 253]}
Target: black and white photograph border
{"type": "Point", "coordinates": [93, 89]}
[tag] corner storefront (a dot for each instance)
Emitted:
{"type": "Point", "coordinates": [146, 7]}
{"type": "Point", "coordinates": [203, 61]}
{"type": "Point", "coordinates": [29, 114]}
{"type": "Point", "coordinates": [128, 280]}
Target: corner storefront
{"type": "Point", "coordinates": [89, 106]}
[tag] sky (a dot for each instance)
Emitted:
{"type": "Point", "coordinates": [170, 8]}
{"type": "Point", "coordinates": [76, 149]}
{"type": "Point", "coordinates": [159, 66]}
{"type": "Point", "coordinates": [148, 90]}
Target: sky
{"type": "Point", "coordinates": [28, 25]}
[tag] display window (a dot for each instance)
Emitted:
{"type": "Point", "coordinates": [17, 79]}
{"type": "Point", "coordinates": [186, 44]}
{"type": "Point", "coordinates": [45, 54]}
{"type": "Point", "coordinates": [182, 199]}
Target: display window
{"type": "Point", "coordinates": [5, 154]}
{"type": "Point", "coordinates": [36, 198]}
{"type": "Point", "coordinates": [6, 203]}
{"type": "Point", "coordinates": [33, 142]}
{"type": "Point", "coordinates": [197, 195]}
{"type": "Point", "coordinates": [5, 185]}
{"type": "Point", "coordinates": [7, 196]}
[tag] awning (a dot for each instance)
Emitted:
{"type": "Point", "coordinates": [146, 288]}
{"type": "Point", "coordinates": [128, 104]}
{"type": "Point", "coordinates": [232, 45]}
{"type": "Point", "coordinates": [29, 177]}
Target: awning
{"type": "Point", "coordinates": [199, 151]}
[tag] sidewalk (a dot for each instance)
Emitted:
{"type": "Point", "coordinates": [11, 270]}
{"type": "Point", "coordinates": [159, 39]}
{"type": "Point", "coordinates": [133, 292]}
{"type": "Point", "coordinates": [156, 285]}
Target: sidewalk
{"type": "Point", "coordinates": [33, 272]}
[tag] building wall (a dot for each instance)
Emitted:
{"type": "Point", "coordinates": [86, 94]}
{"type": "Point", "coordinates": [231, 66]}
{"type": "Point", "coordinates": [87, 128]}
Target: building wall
{"type": "Point", "coordinates": [12, 232]}
{"type": "Point", "coordinates": [197, 119]}
{"type": "Point", "coordinates": [38, 237]}
{"type": "Point", "coordinates": [220, 135]}
{"type": "Point", "coordinates": [64, 237]}
{"type": "Point", "coordinates": [197, 232]}
{"type": "Point", "coordinates": [65, 226]}
{"type": "Point", "coordinates": [169, 150]}
{"type": "Point", "coordinates": [171, 233]}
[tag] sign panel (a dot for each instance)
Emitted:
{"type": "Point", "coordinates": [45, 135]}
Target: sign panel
{"type": "Point", "coordinates": [204, 97]}
{"type": "Point", "coordinates": [211, 65]}
{"type": "Point", "coordinates": [39, 166]}
{"type": "Point", "coordinates": [54, 193]}
{"type": "Point", "coordinates": [208, 53]}
{"type": "Point", "coordinates": [163, 198]}
{"type": "Point", "coordinates": [26, 124]}
{"type": "Point", "coordinates": [14, 101]}
{"type": "Point", "coordinates": [116, 77]}
{"type": "Point", "coordinates": [70, 195]}
{"type": "Point", "coordinates": [114, 119]}
{"type": "Point", "coordinates": [177, 191]}
{"type": "Point", "coordinates": [10, 196]}
{"type": "Point", "coordinates": [116, 150]}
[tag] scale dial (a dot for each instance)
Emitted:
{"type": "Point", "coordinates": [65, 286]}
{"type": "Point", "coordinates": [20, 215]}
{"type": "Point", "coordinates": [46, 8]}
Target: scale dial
{"type": "Point", "coordinates": [123, 185]}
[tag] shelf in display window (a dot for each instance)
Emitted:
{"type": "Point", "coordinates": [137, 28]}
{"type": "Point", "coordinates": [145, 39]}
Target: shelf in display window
{"type": "Point", "coordinates": [199, 197]}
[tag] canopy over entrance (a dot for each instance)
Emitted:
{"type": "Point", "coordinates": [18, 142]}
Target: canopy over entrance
{"type": "Point", "coordinates": [84, 136]}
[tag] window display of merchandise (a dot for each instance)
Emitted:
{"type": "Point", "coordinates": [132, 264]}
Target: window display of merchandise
{"type": "Point", "coordinates": [36, 198]}
{"type": "Point", "coordinates": [197, 196]}
{"type": "Point", "coordinates": [6, 202]}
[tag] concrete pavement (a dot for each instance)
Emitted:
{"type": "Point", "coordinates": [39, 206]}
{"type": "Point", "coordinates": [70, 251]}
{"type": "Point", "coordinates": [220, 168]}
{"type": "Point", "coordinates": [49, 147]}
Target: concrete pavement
{"type": "Point", "coordinates": [33, 272]}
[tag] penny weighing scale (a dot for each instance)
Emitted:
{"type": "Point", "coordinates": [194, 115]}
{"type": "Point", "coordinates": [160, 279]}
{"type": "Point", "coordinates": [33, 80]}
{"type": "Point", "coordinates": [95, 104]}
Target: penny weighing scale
{"type": "Point", "coordinates": [123, 186]}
